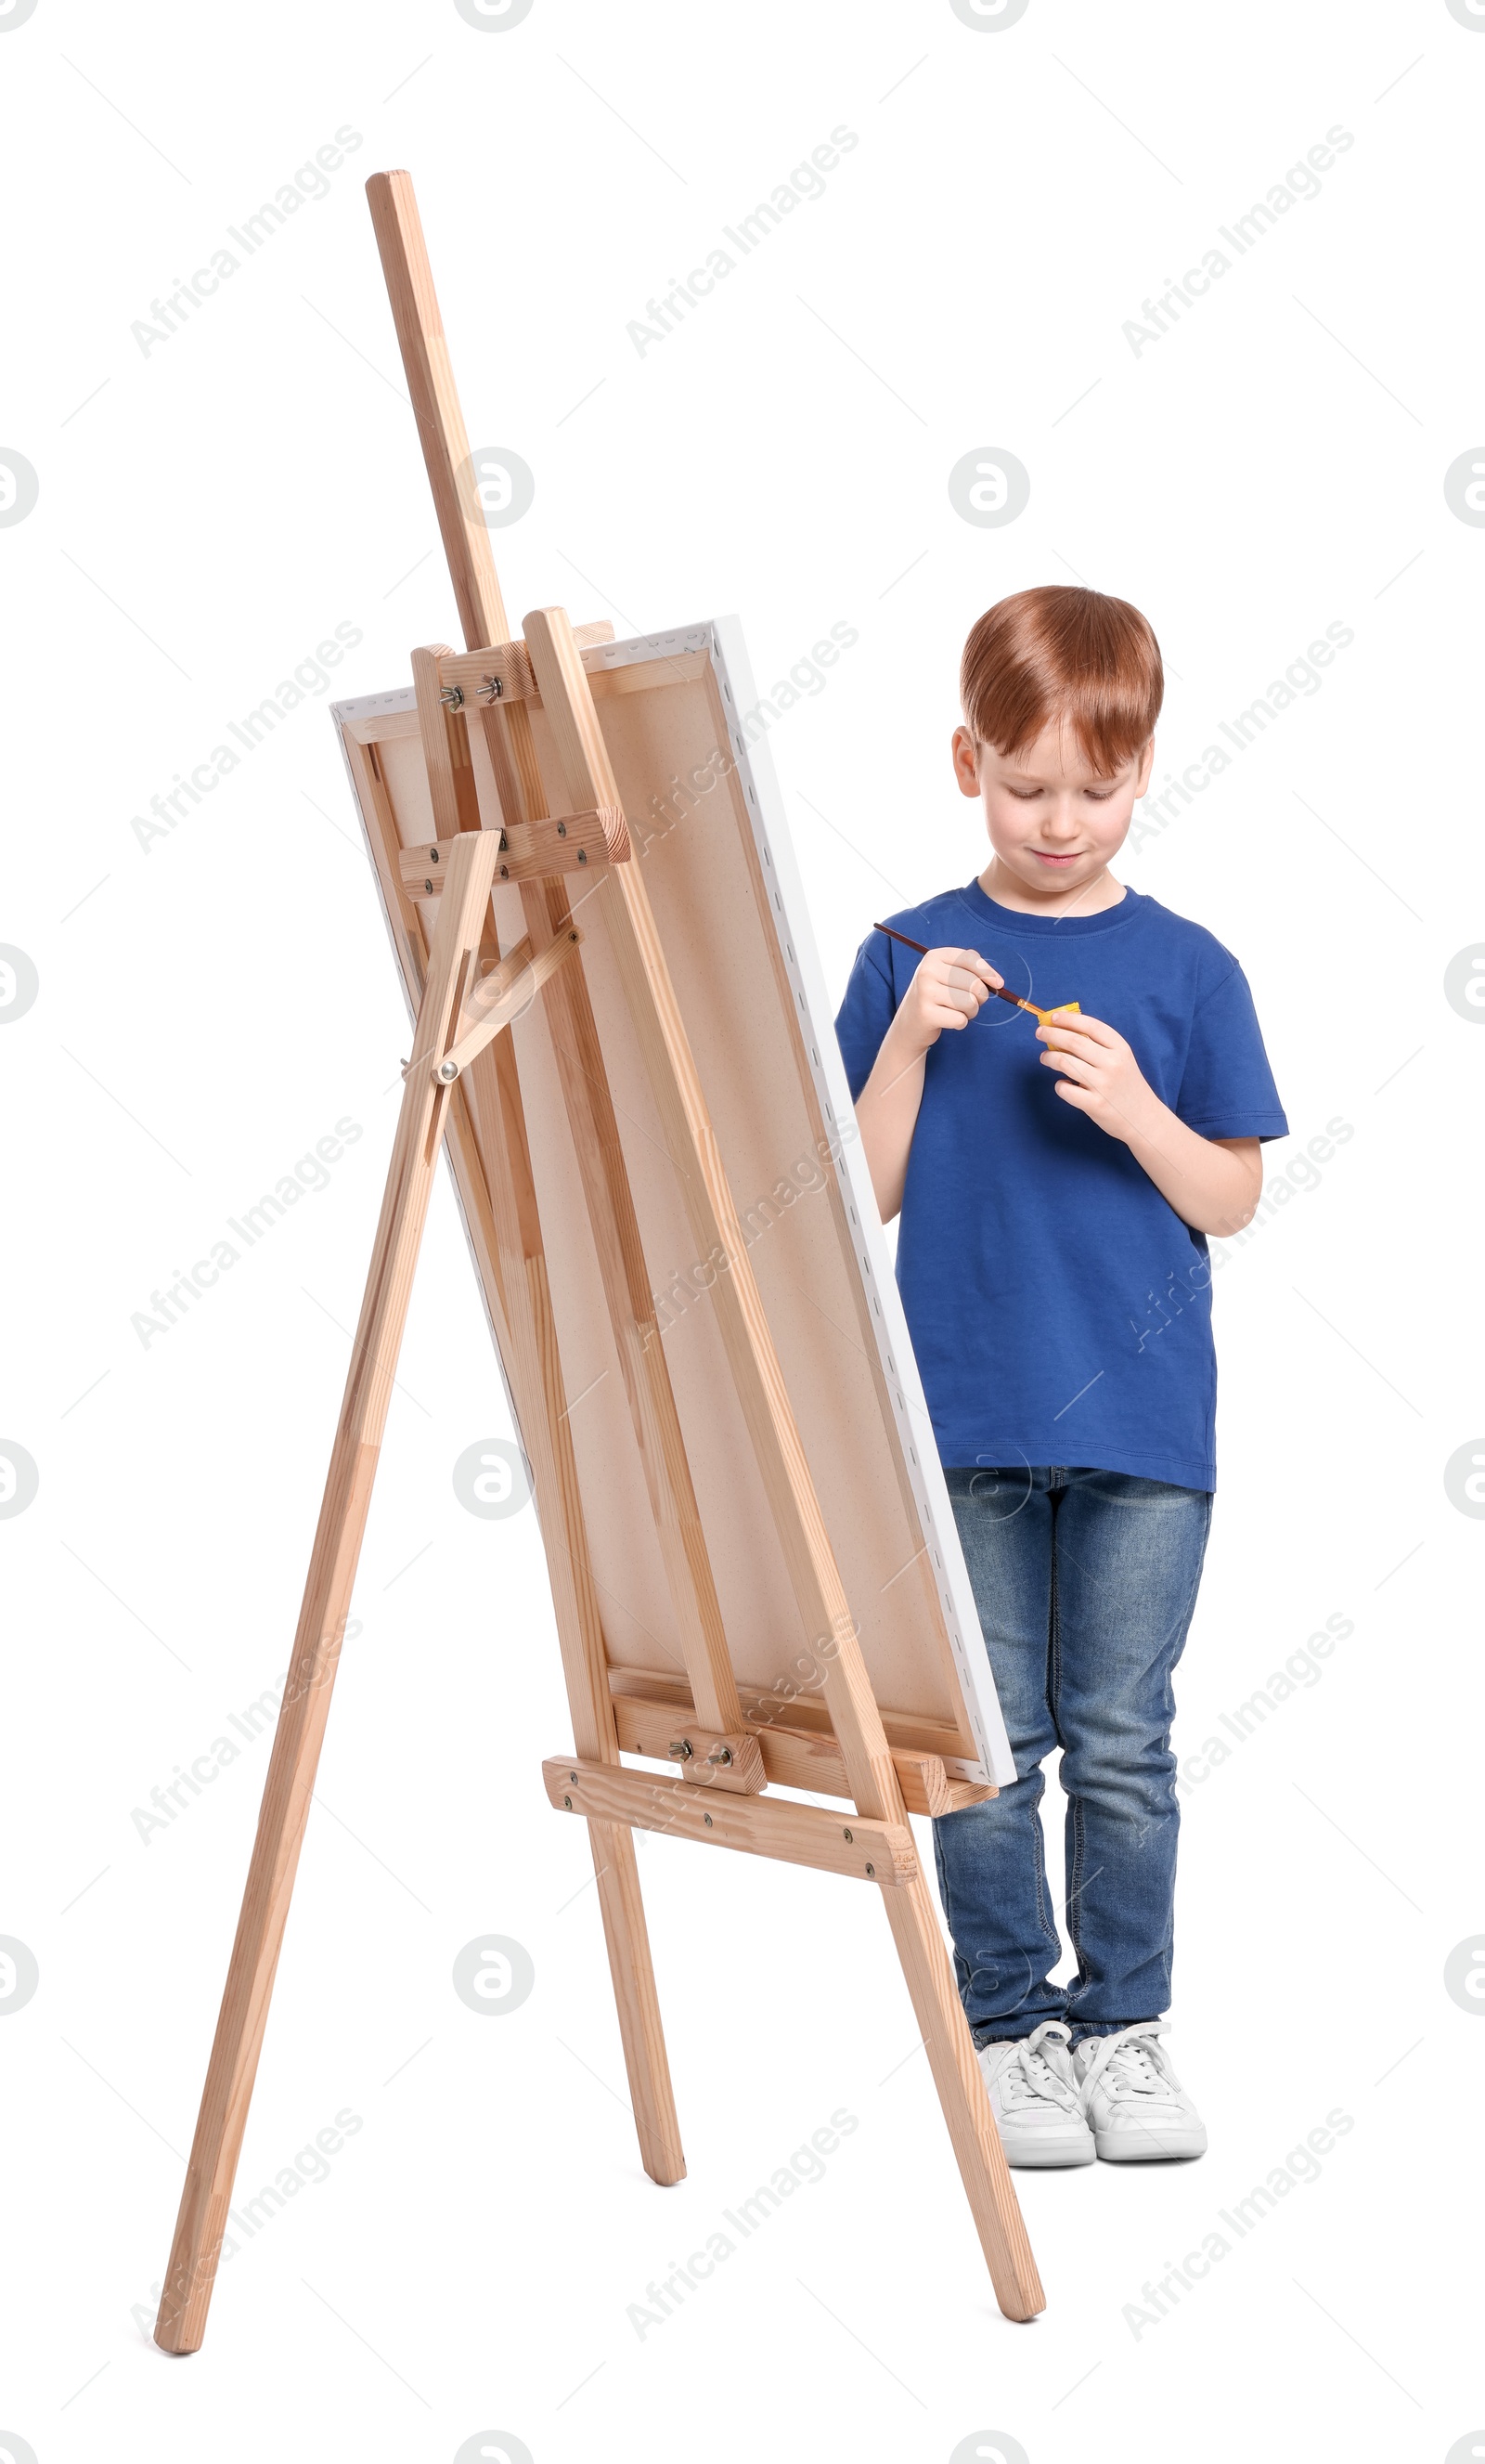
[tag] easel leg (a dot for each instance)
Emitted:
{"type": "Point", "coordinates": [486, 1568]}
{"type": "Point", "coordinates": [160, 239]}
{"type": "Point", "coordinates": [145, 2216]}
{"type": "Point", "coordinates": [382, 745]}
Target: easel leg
{"type": "Point", "coordinates": [962, 2094]}
{"type": "Point", "coordinates": [627, 1938]}
{"type": "Point", "coordinates": [534, 1369]}
{"type": "Point", "coordinates": [223, 2118]}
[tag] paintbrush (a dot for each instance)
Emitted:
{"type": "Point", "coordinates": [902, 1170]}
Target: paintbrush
{"type": "Point", "coordinates": [998, 990]}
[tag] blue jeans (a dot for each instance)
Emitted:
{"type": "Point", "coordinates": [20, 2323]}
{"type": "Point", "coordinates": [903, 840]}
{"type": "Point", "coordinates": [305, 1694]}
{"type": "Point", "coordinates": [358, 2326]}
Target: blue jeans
{"type": "Point", "coordinates": [1085, 1582]}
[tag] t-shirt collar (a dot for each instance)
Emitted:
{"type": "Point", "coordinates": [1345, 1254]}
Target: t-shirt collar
{"type": "Point", "coordinates": [1013, 921]}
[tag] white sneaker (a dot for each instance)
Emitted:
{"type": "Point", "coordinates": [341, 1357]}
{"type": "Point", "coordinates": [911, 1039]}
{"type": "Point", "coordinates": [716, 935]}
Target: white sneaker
{"type": "Point", "coordinates": [1138, 2109]}
{"type": "Point", "coordinates": [1035, 2098]}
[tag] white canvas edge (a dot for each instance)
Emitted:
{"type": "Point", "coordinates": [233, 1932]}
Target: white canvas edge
{"type": "Point", "coordinates": [722, 636]}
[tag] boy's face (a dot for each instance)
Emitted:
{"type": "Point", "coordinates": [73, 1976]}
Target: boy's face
{"type": "Point", "coordinates": [1054, 823]}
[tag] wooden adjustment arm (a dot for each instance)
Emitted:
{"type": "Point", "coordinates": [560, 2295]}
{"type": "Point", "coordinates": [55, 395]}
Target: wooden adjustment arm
{"type": "Point", "coordinates": [487, 1011]}
{"type": "Point", "coordinates": [528, 850]}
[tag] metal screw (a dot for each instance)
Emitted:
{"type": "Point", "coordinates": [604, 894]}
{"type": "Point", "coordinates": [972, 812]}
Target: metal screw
{"type": "Point", "coordinates": [567, 1801]}
{"type": "Point", "coordinates": [848, 1834]}
{"type": "Point", "coordinates": [871, 1872]}
{"type": "Point", "coordinates": [505, 873]}
{"type": "Point", "coordinates": [572, 1775]}
{"type": "Point", "coordinates": [429, 887]}
{"type": "Point", "coordinates": [707, 1819]}
{"type": "Point", "coordinates": [681, 1749]}
{"type": "Point", "coordinates": [449, 1069]}
{"type": "Point", "coordinates": [453, 696]}
{"type": "Point", "coordinates": [493, 686]}
{"type": "Point", "coordinates": [561, 829]}
{"type": "Point", "coordinates": [722, 1754]}
{"type": "Point", "coordinates": [433, 855]}
{"type": "Point", "coordinates": [582, 855]}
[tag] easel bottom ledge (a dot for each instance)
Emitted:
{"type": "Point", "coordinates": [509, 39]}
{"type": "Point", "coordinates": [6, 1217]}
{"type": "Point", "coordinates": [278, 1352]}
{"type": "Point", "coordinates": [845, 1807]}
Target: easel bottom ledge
{"type": "Point", "coordinates": [800, 1834]}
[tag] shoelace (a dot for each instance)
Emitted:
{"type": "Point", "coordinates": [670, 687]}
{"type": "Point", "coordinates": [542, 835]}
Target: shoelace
{"type": "Point", "coordinates": [1130, 2064]}
{"type": "Point", "coordinates": [1029, 2076]}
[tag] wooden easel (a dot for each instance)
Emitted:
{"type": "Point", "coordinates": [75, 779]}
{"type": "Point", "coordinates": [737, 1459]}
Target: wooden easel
{"type": "Point", "coordinates": [462, 1072]}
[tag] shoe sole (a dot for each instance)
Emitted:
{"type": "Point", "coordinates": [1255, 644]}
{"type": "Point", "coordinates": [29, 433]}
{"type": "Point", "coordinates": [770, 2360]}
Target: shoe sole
{"type": "Point", "coordinates": [1036, 2158]}
{"type": "Point", "coordinates": [1174, 2148]}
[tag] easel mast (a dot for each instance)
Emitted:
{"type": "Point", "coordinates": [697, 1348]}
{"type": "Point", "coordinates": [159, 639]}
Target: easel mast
{"type": "Point", "coordinates": [463, 1073]}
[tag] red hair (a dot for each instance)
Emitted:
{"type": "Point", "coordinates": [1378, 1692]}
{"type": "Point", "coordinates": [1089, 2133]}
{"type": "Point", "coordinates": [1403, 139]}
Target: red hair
{"type": "Point", "coordinates": [1063, 655]}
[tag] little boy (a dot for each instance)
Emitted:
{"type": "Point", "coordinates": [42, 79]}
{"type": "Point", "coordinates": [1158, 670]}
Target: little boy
{"type": "Point", "coordinates": [1056, 1175]}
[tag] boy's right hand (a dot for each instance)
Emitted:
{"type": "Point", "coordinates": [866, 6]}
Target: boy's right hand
{"type": "Point", "coordinates": [949, 988]}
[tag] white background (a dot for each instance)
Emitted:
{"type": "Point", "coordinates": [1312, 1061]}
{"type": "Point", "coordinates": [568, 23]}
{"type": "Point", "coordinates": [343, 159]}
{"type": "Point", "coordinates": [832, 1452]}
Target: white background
{"type": "Point", "coordinates": [208, 511]}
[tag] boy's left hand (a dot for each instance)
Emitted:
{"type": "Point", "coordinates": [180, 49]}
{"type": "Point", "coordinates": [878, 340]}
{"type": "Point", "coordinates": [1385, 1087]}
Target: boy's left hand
{"type": "Point", "coordinates": [1099, 1074]}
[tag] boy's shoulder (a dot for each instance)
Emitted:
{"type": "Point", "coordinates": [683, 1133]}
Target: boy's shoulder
{"type": "Point", "coordinates": [1210, 960]}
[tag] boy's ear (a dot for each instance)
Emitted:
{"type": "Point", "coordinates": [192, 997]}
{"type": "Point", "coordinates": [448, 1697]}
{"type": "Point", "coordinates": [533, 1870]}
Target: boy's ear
{"type": "Point", "coordinates": [1147, 765]}
{"type": "Point", "coordinates": [966, 761]}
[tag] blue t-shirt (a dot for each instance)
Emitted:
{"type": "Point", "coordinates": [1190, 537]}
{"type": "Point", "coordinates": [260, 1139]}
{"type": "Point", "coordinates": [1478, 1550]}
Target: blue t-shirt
{"type": "Point", "coordinates": [1060, 1310]}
